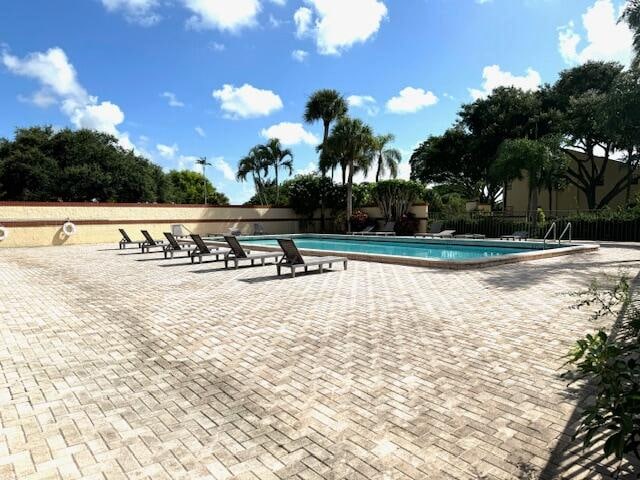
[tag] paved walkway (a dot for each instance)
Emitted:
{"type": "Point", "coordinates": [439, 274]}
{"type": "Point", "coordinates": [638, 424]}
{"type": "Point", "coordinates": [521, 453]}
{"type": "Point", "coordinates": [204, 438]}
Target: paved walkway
{"type": "Point", "coordinates": [118, 365]}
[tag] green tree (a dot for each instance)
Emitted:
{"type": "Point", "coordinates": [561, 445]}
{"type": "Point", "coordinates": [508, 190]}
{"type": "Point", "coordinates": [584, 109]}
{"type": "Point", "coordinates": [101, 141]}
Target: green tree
{"type": "Point", "coordinates": [631, 15]}
{"type": "Point", "coordinates": [253, 165]}
{"type": "Point", "coordinates": [387, 158]}
{"type": "Point", "coordinates": [352, 141]}
{"type": "Point", "coordinates": [75, 165]}
{"type": "Point", "coordinates": [273, 155]}
{"type": "Point", "coordinates": [187, 187]}
{"type": "Point", "coordinates": [328, 106]}
{"type": "Point", "coordinates": [539, 159]}
{"type": "Point", "coordinates": [581, 95]}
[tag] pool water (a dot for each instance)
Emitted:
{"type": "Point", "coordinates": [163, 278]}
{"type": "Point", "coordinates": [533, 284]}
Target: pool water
{"type": "Point", "coordinates": [408, 248]}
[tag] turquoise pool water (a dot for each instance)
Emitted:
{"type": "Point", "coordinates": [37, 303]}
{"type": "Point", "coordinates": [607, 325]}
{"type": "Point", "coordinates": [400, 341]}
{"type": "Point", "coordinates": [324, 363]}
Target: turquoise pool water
{"type": "Point", "coordinates": [440, 251]}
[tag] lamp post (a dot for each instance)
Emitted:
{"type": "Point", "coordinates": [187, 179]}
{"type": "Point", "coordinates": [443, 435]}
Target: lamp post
{"type": "Point", "coordinates": [203, 161]}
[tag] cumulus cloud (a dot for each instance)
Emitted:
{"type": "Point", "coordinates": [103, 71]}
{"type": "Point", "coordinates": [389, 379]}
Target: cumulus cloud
{"type": "Point", "coordinates": [606, 38]}
{"type": "Point", "coordinates": [366, 102]}
{"type": "Point", "coordinates": [167, 151]}
{"type": "Point", "coordinates": [299, 55]}
{"type": "Point", "coordinates": [311, 167]}
{"type": "Point", "coordinates": [223, 167]}
{"type": "Point", "coordinates": [303, 19]}
{"type": "Point", "coordinates": [411, 100]}
{"type": "Point", "coordinates": [290, 134]}
{"type": "Point", "coordinates": [336, 25]}
{"type": "Point", "coordinates": [217, 47]}
{"type": "Point", "coordinates": [135, 11]}
{"type": "Point", "coordinates": [494, 77]}
{"type": "Point", "coordinates": [200, 131]}
{"type": "Point", "coordinates": [247, 101]}
{"type": "Point", "coordinates": [172, 100]}
{"type": "Point", "coordinates": [223, 14]}
{"type": "Point", "coordinates": [59, 84]}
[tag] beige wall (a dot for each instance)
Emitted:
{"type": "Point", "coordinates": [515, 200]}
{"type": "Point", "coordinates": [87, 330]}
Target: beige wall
{"type": "Point", "coordinates": [571, 198]}
{"type": "Point", "coordinates": [38, 224]}
{"type": "Point", "coordinates": [32, 224]}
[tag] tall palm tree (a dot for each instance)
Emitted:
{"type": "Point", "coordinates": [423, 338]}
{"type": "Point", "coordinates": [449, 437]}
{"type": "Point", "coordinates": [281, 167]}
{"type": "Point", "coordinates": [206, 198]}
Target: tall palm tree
{"type": "Point", "coordinates": [388, 158]}
{"type": "Point", "coordinates": [203, 161]}
{"type": "Point", "coordinates": [273, 155]}
{"type": "Point", "coordinates": [254, 165]}
{"type": "Point", "coordinates": [631, 15]}
{"type": "Point", "coordinates": [326, 105]}
{"type": "Point", "coordinates": [351, 141]}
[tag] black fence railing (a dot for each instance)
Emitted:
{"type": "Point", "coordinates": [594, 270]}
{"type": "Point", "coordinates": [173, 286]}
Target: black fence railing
{"type": "Point", "coordinates": [601, 229]}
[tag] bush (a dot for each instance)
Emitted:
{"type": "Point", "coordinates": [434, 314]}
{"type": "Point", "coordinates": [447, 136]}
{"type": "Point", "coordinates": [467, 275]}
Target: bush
{"type": "Point", "coordinates": [407, 224]}
{"type": "Point", "coordinates": [395, 197]}
{"type": "Point", "coordinates": [359, 220]}
{"type": "Point", "coordinates": [611, 364]}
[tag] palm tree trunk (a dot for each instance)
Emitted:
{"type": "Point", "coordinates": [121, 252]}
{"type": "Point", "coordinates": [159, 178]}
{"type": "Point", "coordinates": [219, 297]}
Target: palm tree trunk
{"type": "Point", "coordinates": [324, 144]}
{"type": "Point", "coordinates": [277, 185]}
{"type": "Point", "coordinates": [350, 196]}
{"type": "Point", "coordinates": [344, 173]}
{"type": "Point", "coordinates": [379, 171]}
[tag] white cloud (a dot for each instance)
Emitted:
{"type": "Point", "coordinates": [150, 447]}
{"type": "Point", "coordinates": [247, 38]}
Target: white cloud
{"type": "Point", "coordinates": [339, 24]}
{"type": "Point", "coordinates": [188, 162]}
{"type": "Point", "coordinates": [495, 77]}
{"type": "Point", "coordinates": [223, 14]}
{"type": "Point", "coordinates": [410, 100]}
{"type": "Point", "coordinates": [172, 100]}
{"type": "Point", "coordinates": [136, 11]}
{"type": "Point", "coordinates": [310, 168]}
{"type": "Point", "coordinates": [167, 151]}
{"type": "Point", "coordinates": [290, 134]}
{"type": "Point", "coordinates": [280, 3]}
{"type": "Point", "coordinates": [247, 101]}
{"type": "Point", "coordinates": [59, 84]}
{"type": "Point", "coordinates": [303, 19]}
{"type": "Point", "coordinates": [222, 166]}
{"type": "Point", "coordinates": [299, 55]}
{"type": "Point", "coordinates": [200, 131]}
{"type": "Point", "coordinates": [606, 38]}
{"type": "Point", "coordinates": [366, 102]}
{"type": "Point", "coordinates": [217, 47]}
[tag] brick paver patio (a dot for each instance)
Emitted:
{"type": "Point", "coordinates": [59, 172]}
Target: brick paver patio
{"type": "Point", "coordinates": [118, 365]}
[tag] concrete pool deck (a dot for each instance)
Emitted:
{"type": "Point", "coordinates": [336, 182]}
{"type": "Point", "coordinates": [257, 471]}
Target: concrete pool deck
{"type": "Point", "coordinates": [117, 365]}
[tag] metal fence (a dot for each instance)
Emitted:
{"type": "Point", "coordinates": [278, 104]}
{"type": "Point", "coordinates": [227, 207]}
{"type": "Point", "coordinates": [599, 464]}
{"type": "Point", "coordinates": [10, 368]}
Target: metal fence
{"type": "Point", "coordinates": [602, 229]}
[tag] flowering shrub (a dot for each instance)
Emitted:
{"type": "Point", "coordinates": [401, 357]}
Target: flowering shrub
{"type": "Point", "coordinates": [359, 220]}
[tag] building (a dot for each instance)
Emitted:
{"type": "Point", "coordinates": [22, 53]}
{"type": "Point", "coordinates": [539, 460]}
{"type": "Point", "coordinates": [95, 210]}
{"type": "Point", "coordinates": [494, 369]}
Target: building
{"type": "Point", "coordinates": [570, 199]}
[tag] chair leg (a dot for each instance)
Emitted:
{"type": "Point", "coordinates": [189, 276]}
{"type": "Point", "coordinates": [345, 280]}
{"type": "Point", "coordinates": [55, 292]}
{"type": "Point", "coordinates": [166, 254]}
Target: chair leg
{"type": "Point", "coordinates": [345, 265]}
{"type": "Point", "coordinates": [321, 268]}
{"type": "Point", "coordinates": [278, 269]}
{"type": "Point", "coordinates": [293, 272]}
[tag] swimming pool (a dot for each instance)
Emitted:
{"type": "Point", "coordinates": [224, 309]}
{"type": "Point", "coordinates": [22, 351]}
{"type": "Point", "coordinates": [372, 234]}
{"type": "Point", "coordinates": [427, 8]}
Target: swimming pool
{"type": "Point", "coordinates": [451, 253]}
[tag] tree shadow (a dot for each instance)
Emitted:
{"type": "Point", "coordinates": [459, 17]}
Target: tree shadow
{"type": "Point", "coordinates": [569, 459]}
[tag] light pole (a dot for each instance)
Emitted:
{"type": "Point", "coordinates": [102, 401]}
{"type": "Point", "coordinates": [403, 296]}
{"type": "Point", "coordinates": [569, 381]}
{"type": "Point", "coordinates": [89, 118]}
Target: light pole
{"type": "Point", "coordinates": [203, 161]}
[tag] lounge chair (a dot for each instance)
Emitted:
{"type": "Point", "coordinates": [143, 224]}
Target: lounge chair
{"type": "Point", "coordinates": [475, 236]}
{"type": "Point", "coordinates": [150, 242]}
{"type": "Point", "coordinates": [177, 231]}
{"type": "Point", "coordinates": [174, 246]}
{"type": "Point", "coordinates": [387, 229]}
{"type": "Point", "coordinates": [258, 229]}
{"type": "Point", "coordinates": [203, 250]}
{"type": "Point", "coordinates": [238, 253]}
{"type": "Point", "coordinates": [519, 235]}
{"type": "Point", "coordinates": [126, 240]}
{"type": "Point", "coordinates": [293, 260]}
{"type": "Point", "coordinates": [365, 231]}
{"type": "Point", "coordinates": [442, 234]}
{"type": "Point", "coordinates": [234, 232]}
{"type": "Point", "coordinates": [435, 227]}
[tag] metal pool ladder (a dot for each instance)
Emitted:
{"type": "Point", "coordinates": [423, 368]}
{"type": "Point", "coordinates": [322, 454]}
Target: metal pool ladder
{"type": "Point", "coordinates": [554, 229]}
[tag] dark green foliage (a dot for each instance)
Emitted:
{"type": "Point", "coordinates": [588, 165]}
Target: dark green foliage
{"type": "Point", "coordinates": [395, 197]}
{"type": "Point", "coordinates": [610, 363]}
{"type": "Point", "coordinates": [187, 187]}
{"type": "Point", "coordinates": [41, 164]}
{"type": "Point", "coordinates": [407, 224]}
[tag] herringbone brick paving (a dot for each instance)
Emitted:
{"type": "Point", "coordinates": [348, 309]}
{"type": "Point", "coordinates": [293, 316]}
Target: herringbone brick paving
{"type": "Point", "coordinates": [116, 365]}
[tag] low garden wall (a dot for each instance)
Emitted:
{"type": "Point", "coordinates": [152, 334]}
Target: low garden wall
{"type": "Point", "coordinates": [38, 224]}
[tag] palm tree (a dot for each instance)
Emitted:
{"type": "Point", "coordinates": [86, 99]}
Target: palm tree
{"type": "Point", "coordinates": [254, 165]}
{"type": "Point", "coordinates": [273, 155]}
{"type": "Point", "coordinates": [631, 15]}
{"type": "Point", "coordinates": [351, 141]}
{"type": "Point", "coordinates": [326, 105]}
{"type": "Point", "coordinates": [386, 157]}
{"type": "Point", "coordinates": [203, 161]}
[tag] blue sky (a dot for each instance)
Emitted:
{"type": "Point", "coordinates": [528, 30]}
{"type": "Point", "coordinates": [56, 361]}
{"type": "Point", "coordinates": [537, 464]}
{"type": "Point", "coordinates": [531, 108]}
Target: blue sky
{"type": "Point", "coordinates": [177, 79]}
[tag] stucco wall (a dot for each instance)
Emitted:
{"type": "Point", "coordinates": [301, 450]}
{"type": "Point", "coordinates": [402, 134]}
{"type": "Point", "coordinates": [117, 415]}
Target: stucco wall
{"type": "Point", "coordinates": [39, 224]}
{"type": "Point", "coordinates": [571, 198]}
{"type": "Point", "coordinates": [35, 224]}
